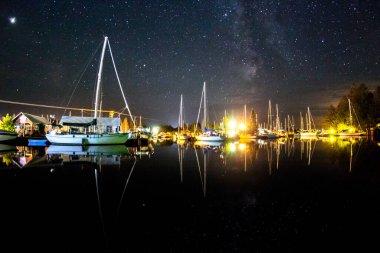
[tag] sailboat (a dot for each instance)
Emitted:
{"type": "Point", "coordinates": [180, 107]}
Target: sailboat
{"type": "Point", "coordinates": [98, 134]}
{"type": "Point", "coordinates": [207, 135]}
{"type": "Point", "coordinates": [351, 131]}
{"type": "Point", "coordinates": [245, 135]}
{"type": "Point", "coordinates": [181, 135]}
{"type": "Point", "coordinates": [308, 132]}
{"type": "Point", "coordinates": [267, 133]}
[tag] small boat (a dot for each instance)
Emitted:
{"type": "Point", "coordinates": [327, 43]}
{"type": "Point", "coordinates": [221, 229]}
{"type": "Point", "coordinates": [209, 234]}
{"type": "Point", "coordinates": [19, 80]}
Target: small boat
{"type": "Point", "coordinates": [7, 136]}
{"type": "Point", "coordinates": [37, 141]}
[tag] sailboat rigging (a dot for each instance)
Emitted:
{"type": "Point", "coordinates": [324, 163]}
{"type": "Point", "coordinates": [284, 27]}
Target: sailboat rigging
{"type": "Point", "coordinates": [207, 135]}
{"type": "Point", "coordinates": [97, 130]}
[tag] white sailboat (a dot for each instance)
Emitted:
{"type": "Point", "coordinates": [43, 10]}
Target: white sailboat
{"type": "Point", "coordinates": [181, 134]}
{"type": "Point", "coordinates": [97, 136]}
{"type": "Point", "coordinates": [309, 132]}
{"type": "Point", "coordinates": [267, 133]}
{"type": "Point", "coordinates": [351, 131]}
{"type": "Point", "coordinates": [209, 135]}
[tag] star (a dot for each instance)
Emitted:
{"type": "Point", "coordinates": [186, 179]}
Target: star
{"type": "Point", "coordinates": [12, 20]}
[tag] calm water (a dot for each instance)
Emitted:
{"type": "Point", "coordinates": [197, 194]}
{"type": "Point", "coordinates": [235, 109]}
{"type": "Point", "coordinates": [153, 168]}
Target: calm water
{"type": "Point", "coordinates": [244, 197]}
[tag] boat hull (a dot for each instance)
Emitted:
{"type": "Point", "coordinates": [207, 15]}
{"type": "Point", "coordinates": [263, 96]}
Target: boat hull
{"type": "Point", "coordinates": [210, 138]}
{"type": "Point", "coordinates": [7, 136]}
{"type": "Point", "coordinates": [87, 139]}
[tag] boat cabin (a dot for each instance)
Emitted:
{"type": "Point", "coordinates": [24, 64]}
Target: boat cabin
{"type": "Point", "coordinates": [76, 124]}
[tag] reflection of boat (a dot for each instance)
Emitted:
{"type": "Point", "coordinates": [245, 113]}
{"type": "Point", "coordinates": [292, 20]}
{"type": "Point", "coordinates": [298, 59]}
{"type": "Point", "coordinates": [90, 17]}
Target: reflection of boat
{"type": "Point", "coordinates": [7, 136]}
{"type": "Point", "coordinates": [89, 150]}
{"type": "Point", "coordinates": [100, 132]}
{"type": "Point", "coordinates": [7, 148]}
{"type": "Point", "coordinates": [210, 144]}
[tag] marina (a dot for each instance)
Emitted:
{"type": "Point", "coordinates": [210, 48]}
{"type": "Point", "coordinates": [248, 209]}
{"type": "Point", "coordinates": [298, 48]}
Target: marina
{"type": "Point", "coordinates": [189, 126]}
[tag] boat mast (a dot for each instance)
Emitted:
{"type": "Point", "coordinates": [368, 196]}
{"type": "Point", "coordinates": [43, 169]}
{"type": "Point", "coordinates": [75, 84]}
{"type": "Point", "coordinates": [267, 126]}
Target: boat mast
{"type": "Point", "coordinates": [349, 107]}
{"type": "Point", "coordinates": [270, 116]}
{"type": "Point", "coordinates": [204, 106]}
{"type": "Point", "coordinates": [99, 78]}
{"type": "Point", "coordinates": [180, 119]}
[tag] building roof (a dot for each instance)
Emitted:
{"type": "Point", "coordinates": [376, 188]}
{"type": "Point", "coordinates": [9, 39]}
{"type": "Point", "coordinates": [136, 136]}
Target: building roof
{"type": "Point", "coordinates": [33, 118]}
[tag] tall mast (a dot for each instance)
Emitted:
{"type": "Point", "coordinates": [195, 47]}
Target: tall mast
{"type": "Point", "coordinates": [301, 119]}
{"type": "Point", "coordinates": [99, 78]}
{"type": "Point", "coordinates": [245, 114]}
{"type": "Point", "coordinates": [349, 107]}
{"type": "Point", "coordinates": [270, 116]}
{"type": "Point", "coordinates": [204, 106]}
{"type": "Point", "coordinates": [180, 119]}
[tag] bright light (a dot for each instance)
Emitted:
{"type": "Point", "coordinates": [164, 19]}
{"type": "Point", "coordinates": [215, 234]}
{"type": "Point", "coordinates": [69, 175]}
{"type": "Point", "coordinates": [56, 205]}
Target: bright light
{"type": "Point", "coordinates": [332, 139]}
{"type": "Point", "coordinates": [242, 146]}
{"type": "Point", "coordinates": [332, 131]}
{"type": "Point", "coordinates": [12, 20]}
{"type": "Point", "coordinates": [232, 147]}
{"type": "Point", "coordinates": [231, 133]}
{"type": "Point", "coordinates": [232, 124]}
{"type": "Point", "coordinates": [155, 130]}
{"type": "Point", "coordinates": [351, 130]}
{"type": "Point", "coordinates": [242, 127]}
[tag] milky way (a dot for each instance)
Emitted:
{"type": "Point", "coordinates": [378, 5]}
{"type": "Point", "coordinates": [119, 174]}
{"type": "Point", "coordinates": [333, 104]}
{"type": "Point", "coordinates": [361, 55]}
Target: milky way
{"type": "Point", "coordinates": [296, 53]}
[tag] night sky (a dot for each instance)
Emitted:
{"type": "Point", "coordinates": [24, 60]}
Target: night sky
{"type": "Point", "coordinates": [296, 53]}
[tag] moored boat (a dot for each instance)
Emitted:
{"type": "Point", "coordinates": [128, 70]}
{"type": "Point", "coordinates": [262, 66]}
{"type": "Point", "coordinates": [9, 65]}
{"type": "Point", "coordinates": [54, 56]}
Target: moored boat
{"type": "Point", "coordinates": [7, 136]}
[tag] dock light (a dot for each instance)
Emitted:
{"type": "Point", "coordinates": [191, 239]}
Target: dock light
{"type": "Point", "coordinates": [231, 133]}
{"type": "Point", "coordinates": [155, 130]}
{"type": "Point", "coordinates": [242, 146]}
{"type": "Point", "coordinates": [332, 131]}
{"type": "Point", "coordinates": [232, 124]}
{"type": "Point", "coordinates": [332, 139]}
{"type": "Point", "coordinates": [351, 130]}
{"type": "Point", "coordinates": [231, 147]}
{"type": "Point", "coordinates": [242, 127]}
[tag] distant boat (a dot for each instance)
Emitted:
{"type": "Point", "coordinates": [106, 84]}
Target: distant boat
{"type": "Point", "coordinates": [97, 134]}
{"type": "Point", "coordinates": [181, 134]}
{"type": "Point", "coordinates": [351, 131]}
{"type": "Point", "coordinates": [7, 136]}
{"type": "Point", "coordinates": [207, 135]}
{"type": "Point", "coordinates": [309, 132]}
{"type": "Point", "coordinates": [246, 135]}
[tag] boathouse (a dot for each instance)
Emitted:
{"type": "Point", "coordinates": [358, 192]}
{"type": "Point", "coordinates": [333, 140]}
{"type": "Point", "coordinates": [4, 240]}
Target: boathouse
{"type": "Point", "coordinates": [31, 125]}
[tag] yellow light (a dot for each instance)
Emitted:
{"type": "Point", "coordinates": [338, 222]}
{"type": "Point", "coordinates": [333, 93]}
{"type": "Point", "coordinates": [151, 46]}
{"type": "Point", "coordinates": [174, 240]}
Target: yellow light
{"type": "Point", "coordinates": [232, 147]}
{"type": "Point", "coordinates": [242, 146]}
{"type": "Point", "coordinates": [232, 124]}
{"type": "Point", "coordinates": [242, 127]}
{"type": "Point", "coordinates": [332, 131]}
{"type": "Point", "coordinates": [351, 130]}
{"type": "Point", "coordinates": [155, 130]}
{"type": "Point", "coordinates": [332, 139]}
{"type": "Point", "coordinates": [231, 133]}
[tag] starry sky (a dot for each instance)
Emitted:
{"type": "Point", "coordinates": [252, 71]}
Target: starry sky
{"type": "Point", "coordinates": [296, 53]}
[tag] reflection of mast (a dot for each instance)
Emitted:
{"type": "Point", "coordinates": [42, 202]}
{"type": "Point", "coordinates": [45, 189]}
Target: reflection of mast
{"type": "Point", "coordinates": [98, 195]}
{"type": "Point", "coordinates": [350, 156]}
{"type": "Point", "coordinates": [203, 180]}
{"type": "Point", "coordinates": [277, 153]}
{"type": "Point", "coordinates": [126, 184]}
{"type": "Point", "coordinates": [180, 158]}
{"type": "Point", "coordinates": [269, 153]}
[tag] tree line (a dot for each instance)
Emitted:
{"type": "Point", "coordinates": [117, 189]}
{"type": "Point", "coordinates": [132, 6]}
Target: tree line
{"type": "Point", "coordinates": [365, 108]}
